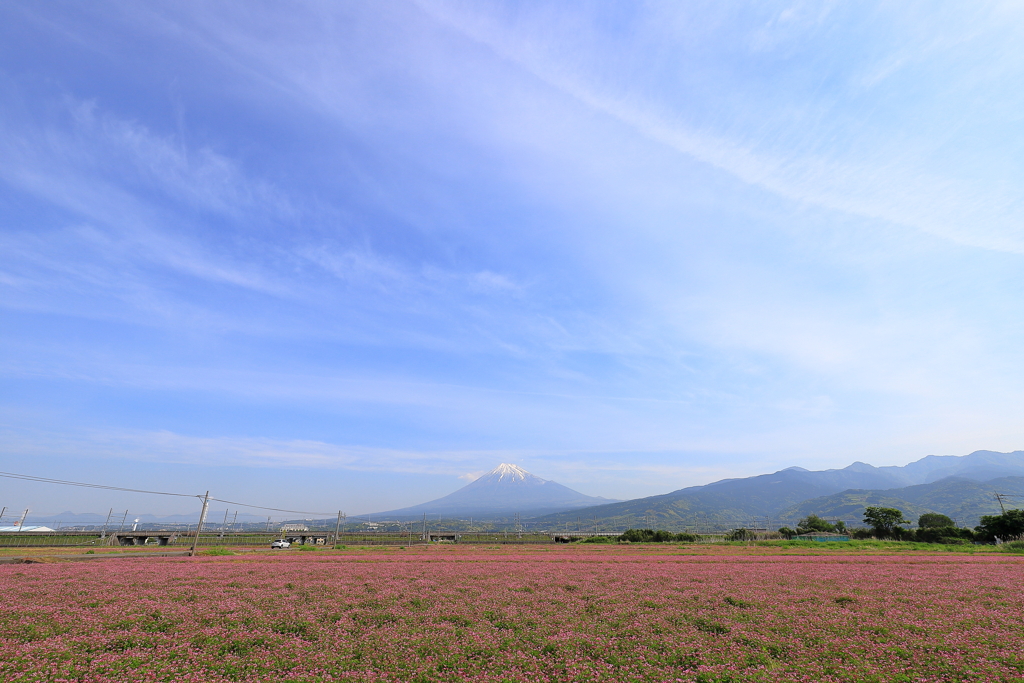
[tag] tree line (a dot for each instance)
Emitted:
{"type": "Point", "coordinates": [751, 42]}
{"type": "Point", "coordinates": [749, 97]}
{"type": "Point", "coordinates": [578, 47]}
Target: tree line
{"type": "Point", "coordinates": [933, 527]}
{"type": "Point", "coordinates": [881, 523]}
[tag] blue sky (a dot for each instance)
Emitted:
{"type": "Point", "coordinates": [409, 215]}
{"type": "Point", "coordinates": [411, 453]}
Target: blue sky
{"type": "Point", "coordinates": [332, 255]}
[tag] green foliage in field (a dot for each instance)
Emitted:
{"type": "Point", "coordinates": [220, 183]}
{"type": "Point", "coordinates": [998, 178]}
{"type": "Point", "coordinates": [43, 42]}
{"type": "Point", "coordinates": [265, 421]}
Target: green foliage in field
{"type": "Point", "coordinates": [652, 536]}
{"type": "Point", "coordinates": [599, 539]}
{"type": "Point", "coordinates": [945, 534]}
{"type": "Point", "coordinates": [219, 550]}
{"type": "Point", "coordinates": [812, 523]}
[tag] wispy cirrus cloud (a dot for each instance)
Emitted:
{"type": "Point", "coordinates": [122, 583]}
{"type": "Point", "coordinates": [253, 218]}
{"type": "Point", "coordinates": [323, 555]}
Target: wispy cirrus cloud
{"type": "Point", "coordinates": [878, 181]}
{"type": "Point", "coordinates": [135, 202]}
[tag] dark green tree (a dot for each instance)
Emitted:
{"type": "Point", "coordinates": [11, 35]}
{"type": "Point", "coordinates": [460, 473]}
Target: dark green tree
{"type": "Point", "coordinates": [638, 535]}
{"type": "Point", "coordinates": [934, 520]}
{"type": "Point", "coordinates": [787, 533]}
{"type": "Point", "coordinates": [652, 536]}
{"type": "Point", "coordinates": [885, 522]}
{"type": "Point", "coordinates": [813, 523]}
{"type": "Point", "coordinates": [1008, 526]}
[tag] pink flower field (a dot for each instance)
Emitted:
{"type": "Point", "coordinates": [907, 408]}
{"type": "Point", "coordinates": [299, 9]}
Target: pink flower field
{"type": "Point", "coordinates": [551, 614]}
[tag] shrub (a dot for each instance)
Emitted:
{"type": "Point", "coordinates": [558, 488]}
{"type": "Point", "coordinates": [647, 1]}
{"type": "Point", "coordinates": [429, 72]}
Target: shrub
{"type": "Point", "coordinates": [813, 523]}
{"type": "Point", "coordinates": [931, 520]}
{"type": "Point", "coordinates": [652, 536]}
{"type": "Point", "coordinates": [638, 535]}
{"type": "Point", "coordinates": [946, 534]}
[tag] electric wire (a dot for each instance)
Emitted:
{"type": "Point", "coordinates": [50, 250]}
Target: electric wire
{"type": "Point", "coordinates": [46, 480]}
{"type": "Point", "coordinates": [261, 507]}
{"type": "Point", "coordinates": [64, 482]}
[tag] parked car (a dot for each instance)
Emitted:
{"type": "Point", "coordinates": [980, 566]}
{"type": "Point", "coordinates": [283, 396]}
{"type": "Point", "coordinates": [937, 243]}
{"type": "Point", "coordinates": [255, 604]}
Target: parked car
{"type": "Point", "coordinates": [280, 543]}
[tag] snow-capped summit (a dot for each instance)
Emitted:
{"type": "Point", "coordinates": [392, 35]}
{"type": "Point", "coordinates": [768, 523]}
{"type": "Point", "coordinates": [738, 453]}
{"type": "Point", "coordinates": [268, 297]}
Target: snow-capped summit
{"type": "Point", "coordinates": [505, 490]}
{"type": "Point", "coordinates": [506, 471]}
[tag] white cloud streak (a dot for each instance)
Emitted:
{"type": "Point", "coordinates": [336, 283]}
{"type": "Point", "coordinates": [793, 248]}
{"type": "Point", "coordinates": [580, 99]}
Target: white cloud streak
{"type": "Point", "coordinates": [888, 187]}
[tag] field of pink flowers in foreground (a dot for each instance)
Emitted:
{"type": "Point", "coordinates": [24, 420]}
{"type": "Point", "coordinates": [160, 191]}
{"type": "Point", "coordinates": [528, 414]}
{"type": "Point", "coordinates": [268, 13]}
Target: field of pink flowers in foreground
{"type": "Point", "coordinates": [555, 614]}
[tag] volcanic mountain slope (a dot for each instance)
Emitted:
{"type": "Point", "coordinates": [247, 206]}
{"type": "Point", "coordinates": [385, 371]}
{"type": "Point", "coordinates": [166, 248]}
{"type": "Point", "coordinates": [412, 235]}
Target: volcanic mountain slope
{"type": "Point", "coordinates": [505, 490]}
{"type": "Point", "coordinates": [755, 500]}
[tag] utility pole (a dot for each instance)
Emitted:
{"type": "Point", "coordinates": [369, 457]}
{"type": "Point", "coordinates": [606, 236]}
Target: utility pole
{"type": "Point", "coordinates": [268, 524]}
{"type": "Point", "coordinates": [233, 520]}
{"type": "Point", "coordinates": [224, 525]}
{"type": "Point", "coordinates": [337, 528]}
{"type": "Point", "coordinates": [103, 534]}
{"type": "Point", "coordinates": [21, 522]}
{"type": "Point", "coordinates": [2, 513]}
{"type": "Point", "coordinates": [123, 520]}
{"type": "Point", "coordinates": [425, 526]}
{"type": "Point", "coordinates": [999, 497]}
{"type": "Point", "coordinates": [199, 527]}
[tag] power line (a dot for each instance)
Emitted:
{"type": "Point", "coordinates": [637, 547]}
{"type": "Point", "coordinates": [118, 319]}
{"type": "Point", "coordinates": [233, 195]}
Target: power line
{"type": "Point", "coordinates": [64, 482]}
{"type": "Point", "coordinates": [261, 507]}
{"type": "Point", "coordinates": [45, 480]}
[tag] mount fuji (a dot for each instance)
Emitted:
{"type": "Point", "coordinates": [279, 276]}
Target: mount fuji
{"type": "Point", "coordinates": [505, 490]}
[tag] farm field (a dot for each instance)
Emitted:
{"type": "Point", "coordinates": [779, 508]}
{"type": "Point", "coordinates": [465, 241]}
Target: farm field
{"type": "Point", "coordinates": [539, 613]}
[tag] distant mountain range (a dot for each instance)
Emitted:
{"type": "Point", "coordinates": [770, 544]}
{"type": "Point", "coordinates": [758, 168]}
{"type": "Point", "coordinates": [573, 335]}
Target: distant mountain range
{"type": "Point", "coordinates": [504, 491]}
{"type": "Point", "coordinates": [948, 484]}
{"type": "Point", "coordinates": [962, 487]}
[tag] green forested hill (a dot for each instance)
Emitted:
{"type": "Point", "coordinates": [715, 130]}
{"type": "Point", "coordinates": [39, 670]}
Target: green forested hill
{"type": "Point", "coordinates": [786, 496]}
{"type": "Point", "coordinates": [964, 500]}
